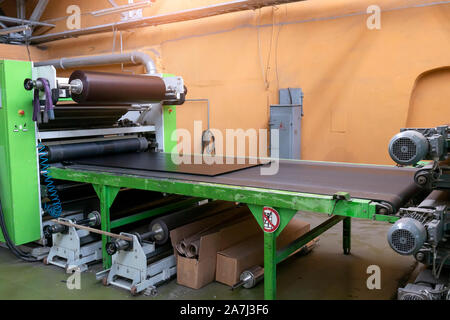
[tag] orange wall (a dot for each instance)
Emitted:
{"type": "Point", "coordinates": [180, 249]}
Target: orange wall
{"type": "Point", "coordinates": [361, 86]}
{"type": "Point", "coordinates": [14, 52]}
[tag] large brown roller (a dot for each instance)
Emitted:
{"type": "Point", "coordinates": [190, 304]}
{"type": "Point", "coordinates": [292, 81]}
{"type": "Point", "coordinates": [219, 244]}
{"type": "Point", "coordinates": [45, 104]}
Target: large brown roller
{"type": "Point", "coordinates": [101, 87]}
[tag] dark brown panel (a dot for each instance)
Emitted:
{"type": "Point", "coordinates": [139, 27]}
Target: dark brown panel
{"type": "Point", "coordinates": [158, 161]}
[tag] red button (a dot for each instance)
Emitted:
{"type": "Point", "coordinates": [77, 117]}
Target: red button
{"type": "Point", "coordinates": [21, 112]}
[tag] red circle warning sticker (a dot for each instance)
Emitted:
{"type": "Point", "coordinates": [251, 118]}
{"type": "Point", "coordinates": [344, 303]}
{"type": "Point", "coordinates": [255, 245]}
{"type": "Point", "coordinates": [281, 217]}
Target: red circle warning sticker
{"type": "Point", "coordinates": [271, 219]}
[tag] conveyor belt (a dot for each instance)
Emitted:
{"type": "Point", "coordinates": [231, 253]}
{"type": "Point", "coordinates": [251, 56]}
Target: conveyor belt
{"type": "Point", "coordinates": [378, 183]}
{"type": "Point", "coordinates": [158, 161]}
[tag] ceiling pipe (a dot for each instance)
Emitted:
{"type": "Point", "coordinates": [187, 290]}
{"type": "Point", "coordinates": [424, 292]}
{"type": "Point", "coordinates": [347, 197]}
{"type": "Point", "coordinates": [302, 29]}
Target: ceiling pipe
{"type": "Point", "coordinates": [134, 57]}
{"type": "Point", "coordinates": [14, 29]}
{"type": "Point", "coordinates": [184, 15]}
{"type": "Point", "coordinates": [39, 10]}
{"type": "Point", "coordinates": [25, 21]}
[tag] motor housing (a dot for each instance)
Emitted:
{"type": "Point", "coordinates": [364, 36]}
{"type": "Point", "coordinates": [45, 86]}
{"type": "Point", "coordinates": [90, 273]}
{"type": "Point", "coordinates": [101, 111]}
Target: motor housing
{"type": "Point", "coordinates": [408, 147]}
{"type": "Point", "coordinates": [407, 236]}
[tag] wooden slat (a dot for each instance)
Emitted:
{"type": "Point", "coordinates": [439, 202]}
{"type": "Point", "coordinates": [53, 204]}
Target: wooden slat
{"type": "Point", "coordinates": [77, 226]}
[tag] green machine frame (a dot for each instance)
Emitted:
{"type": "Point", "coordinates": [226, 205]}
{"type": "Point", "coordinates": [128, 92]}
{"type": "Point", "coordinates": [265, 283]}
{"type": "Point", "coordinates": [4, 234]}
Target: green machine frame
{"type": "Point", "coordinates": [19, 185]}
{"type": "Point", "coordinates": [19, 178]}
{"type": "Point", "coordinates": [286, 203]}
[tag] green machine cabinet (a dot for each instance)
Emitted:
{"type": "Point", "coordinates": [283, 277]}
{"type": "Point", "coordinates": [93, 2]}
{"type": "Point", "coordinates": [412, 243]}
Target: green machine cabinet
{"type": "Point", "coordinates": [169, 124]}
{"type": "Point", "coordinates": [19, 178]}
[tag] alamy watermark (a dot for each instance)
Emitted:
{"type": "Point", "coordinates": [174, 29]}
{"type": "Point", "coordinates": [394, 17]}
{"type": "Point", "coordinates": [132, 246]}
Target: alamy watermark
{"type": "Point", "coordinates": [228, 149]}
{"type": "Point", "coordinates": [374, 20]}
{"type": "Point", "coordinates": [374, 280]}
{"type": "Point", "coordinates": [74, 280]}
{"type": "Point", "coordinates": [74, 19]}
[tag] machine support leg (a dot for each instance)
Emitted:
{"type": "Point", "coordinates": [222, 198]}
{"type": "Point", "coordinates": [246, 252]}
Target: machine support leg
{"type": "Point", "coordinates": [270, 266]}
{"type": "Point", "coordinates": [106, 226]}
{"type": "Point", "coordinates": [107, 195]}
{"type": "Point", "coordinates": [346, 234]}
{"type": "Point", "coordinates": [270, 247]}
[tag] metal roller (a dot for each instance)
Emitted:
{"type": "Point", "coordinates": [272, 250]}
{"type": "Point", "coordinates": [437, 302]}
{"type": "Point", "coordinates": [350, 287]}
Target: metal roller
{"type": "Point", "coordinates": [250, 278]}
{"type": "Point", "coordinates": [120, 244]}
{"type": "Point", "coordinates": [100, 87]}
{"type": "Point", "coordinates": [162, 226]}
{"type": "Point", "coordinates": [64, 152]}
{"type": "Point", "coordinates": [93, 220]}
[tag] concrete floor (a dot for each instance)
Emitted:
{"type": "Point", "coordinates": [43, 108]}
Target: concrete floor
{"type": "Point", "coordinates": [323, 274]}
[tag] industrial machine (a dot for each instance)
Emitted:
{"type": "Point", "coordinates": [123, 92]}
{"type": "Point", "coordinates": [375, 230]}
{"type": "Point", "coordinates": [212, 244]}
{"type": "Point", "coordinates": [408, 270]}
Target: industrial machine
{"type": "Point", "coordinates": [45, 119]}
{"type": "Point", "coordinates": [102, 142]}
{"type": "Point", "coordinates": [424, 230]}
{"type": "Point", "coordinates": [74, 249]}
{"type": "Point", "coordinates": [134, 267]}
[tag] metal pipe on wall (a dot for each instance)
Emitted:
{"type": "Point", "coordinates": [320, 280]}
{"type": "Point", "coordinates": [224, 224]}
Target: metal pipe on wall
{"type": "Point", "coordinates": [134, 57]}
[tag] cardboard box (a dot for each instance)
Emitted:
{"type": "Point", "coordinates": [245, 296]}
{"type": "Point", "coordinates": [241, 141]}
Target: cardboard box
{"type": "Point", "coordinates": [233, 261]}
{"type": "Point", "coordinates": [237, 225]}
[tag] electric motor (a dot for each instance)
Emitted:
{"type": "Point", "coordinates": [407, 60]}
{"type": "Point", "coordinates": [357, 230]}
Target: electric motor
{"type": "Point", "coordinates": [408, 147]}
{"type": "Point", "coordinates": [415, 292]}
{"type": "Point", "coordinates": [407, 236]}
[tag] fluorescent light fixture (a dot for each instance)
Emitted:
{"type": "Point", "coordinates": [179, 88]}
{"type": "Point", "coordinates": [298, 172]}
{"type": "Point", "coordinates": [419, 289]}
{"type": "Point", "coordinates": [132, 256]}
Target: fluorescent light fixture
{"type": "Point", "coordinates": [118, 9]}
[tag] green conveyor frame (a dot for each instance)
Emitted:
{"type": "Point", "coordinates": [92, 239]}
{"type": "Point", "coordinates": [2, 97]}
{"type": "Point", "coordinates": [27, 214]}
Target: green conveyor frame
{"type": "Point", "coordinates": [19, 184]}
{"type": "Point", "coordinates": [107, 185]}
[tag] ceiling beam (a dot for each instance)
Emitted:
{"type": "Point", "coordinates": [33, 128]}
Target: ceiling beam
{"type": "Point", "coordinates": [184, 15]}
{"type": "Point", "coordinates": [20, 9]}
{"type": "Point", "coordinates": [14, 29]}
{"type": "Point", "coordinates": [24, 21]}
{"type": "Point", "coordinates": [39, 10]}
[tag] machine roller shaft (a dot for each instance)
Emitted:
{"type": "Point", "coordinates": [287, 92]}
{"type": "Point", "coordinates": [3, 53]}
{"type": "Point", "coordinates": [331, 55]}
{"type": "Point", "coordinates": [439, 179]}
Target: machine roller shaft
{"type": "Point", "coordinates": [92, 220]}
{"type": "Point", "coordinates": [159, 229]}
{"type": "Point", "coordinates": [119, 244]}
{"type": "Point", "coordinates": [100, 87]}
{"type": "Point", "coordinates": [164, 224]}
{"type": "Point", "coordinates": [64, 152]}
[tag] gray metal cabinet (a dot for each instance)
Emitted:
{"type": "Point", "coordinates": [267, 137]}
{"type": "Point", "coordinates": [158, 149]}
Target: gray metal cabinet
{"type": "Point", "coordinates": [287, 117]}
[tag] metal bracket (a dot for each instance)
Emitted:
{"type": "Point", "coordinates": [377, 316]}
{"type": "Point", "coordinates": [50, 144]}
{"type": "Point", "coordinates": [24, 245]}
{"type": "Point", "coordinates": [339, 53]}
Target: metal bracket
{"type": "Point", "coordinates": [130, 271]}
{"type": "Point", "coordinates": [68, 253]}
{"type": "Point", "coordinates": [337, 197]}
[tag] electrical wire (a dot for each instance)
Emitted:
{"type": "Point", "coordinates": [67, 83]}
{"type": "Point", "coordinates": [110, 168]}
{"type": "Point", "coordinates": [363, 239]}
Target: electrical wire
{"type": "Point", "coordinates": [15, 250]}
{"type": "Point", "coordinates": [269, 55]}
{"type": "Point", "coordinates": [280, 26]}
{"type": "Point", "coordinates": [261, 63]}
{"type": "Point", "coordinates": [53, 209]}
{"type": "Point", "coordinates": [442, 265]}
{"type": "Point", "coordinates": [27, 43]}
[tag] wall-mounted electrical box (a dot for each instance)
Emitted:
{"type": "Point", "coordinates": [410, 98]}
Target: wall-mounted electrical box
{"type": "Point", "coordinates": [287, 117]}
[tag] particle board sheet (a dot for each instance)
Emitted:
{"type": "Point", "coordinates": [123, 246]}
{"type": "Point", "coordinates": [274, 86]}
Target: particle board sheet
{"type": "Point", "coordinates": [162, 162]}
{"type": "Point", "coordinates": [378, 183]}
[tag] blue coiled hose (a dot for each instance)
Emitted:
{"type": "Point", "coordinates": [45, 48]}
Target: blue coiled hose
{"type": "Point", "coordinates": [53, 208]}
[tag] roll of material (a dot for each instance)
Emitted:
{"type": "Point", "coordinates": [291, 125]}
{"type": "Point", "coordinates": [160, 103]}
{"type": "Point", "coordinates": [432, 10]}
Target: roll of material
{"type": "Point", "coordinates": [100, 87]}
{"type": "Point", "coordinates": [174, 220]}
{"type": "Point", "coordinates": [64, 152]}
{"type": "Point", "coordinates": [193, 249]}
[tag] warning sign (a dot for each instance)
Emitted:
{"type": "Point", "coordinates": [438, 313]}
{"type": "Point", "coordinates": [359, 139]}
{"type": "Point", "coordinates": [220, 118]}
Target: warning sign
{"type": "Point", "coordinates": [271, 219]}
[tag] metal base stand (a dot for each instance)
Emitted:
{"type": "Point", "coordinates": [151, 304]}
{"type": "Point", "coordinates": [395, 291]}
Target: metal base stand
{"type": "Point", "coordinates": [130, 271]}
{"type": "Point", "coordinates": [68, 252]}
